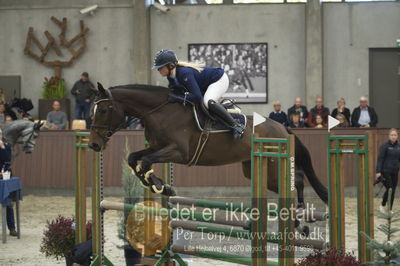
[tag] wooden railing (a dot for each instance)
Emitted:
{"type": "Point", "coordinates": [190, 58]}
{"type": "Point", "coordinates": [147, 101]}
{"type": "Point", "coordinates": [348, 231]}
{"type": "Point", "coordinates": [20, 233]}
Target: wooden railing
{"type": "Point", "coordinates": [51, 163]}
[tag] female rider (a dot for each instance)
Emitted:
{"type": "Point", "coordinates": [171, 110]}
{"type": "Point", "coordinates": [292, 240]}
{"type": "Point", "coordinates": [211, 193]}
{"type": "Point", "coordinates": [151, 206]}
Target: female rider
{"type": "Point", "coordinates": [204, 84]}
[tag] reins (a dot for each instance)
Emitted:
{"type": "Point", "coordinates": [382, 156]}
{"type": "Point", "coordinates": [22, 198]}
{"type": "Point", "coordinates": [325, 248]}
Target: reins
{"type": "Point", "coordinates": [111, 131]}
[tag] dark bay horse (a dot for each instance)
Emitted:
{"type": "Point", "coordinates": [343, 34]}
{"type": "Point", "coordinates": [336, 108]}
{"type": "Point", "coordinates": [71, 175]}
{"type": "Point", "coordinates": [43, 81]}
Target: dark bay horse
{"type": "Point", "coordinates": [173, 136]}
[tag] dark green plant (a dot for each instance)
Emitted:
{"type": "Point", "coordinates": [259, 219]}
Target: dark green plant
{"type": "Point", "coordinates": [387, 250]}
{"type": "Point", "coordinates": [59, 237]}
{"type": "Point", "coordinates": [53, 88]}
{"type": "Point", "coordinates": [331, 257]}
{"type": "Point", "coordinates": [133, 190]}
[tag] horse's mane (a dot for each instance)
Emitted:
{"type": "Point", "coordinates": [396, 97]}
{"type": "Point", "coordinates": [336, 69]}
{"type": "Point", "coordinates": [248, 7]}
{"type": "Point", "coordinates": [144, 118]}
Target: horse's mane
{"type": "Point", "coordinates": [140, 87]}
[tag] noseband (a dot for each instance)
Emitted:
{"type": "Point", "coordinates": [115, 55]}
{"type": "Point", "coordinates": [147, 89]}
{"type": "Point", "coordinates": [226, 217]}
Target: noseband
{"type": "Point", "coordinates": [109, 130]}
{"type": "Point", "coordinates": [29, 140]}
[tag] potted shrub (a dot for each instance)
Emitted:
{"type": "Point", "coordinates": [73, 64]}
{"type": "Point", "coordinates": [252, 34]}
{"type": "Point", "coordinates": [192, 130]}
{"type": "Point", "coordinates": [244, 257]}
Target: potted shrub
{"type": "Point", "coordinates": [53, 89]}
{"type": "Point", "coordinates": [330, 257]}
{"type": "Point", "coordinates": [59, 238]}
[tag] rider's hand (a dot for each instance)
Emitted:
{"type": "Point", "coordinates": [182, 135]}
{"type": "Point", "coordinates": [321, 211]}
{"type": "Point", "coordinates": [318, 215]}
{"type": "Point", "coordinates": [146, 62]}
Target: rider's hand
{"type": "Point", "coordinates": [174, 100]}
{"type": "Point", "coordinates": [377, 175]}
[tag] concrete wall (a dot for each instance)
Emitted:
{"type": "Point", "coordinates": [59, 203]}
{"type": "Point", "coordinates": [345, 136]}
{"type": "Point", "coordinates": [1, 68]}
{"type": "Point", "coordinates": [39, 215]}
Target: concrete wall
{"type": "Point", "coordinates": [349, 31]}
{"type": "Point", "coordinates": [281, 26]}
{"type": "Point", "coordinates": [108, 57]}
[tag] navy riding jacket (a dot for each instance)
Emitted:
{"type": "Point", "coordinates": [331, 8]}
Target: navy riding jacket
{"type": "Point", "coordinates": [194, 81]}
{"type": "Point", "coordinates": [388, 158]}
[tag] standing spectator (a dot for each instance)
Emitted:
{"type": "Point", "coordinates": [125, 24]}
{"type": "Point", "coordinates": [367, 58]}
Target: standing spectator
{"type": "Point", "coordinates": [342, 121]}
{"type": "Point", "coordinates": [341, 109]}
{"type": "Point", "coordinates": [83, 90]}
{"type": "Point", "coordinates": [278, 115]}
{"type": "Point", "coordinates": [295, 121]}
{"type": "Point", "coordinates": [2, 96]}
{"type": "Point", "coordinates": [3, 114]}
{"type": "Point", "coordinates": [299, 108]}
{"type": "Point", "coordinates": [319, 121]}
{"type": "Point", "coordinates": [5, 165]}
{"type": "Point", "coordinates": [56, 119]}
{"type": "Point", "coordinates": [364, 115]}
{"type": "Point", "coordinates": [387, 166]}
{"type": "Point", "coordinates": [319, 109]}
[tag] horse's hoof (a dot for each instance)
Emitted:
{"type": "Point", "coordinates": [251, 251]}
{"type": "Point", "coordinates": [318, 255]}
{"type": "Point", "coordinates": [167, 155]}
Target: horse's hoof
{"type": "Point", "coordinates": [296, 223]}
{"type": "Point", "coordinates": [305, 231]}
{"type": "Point", "coordinates": [301, 205]}
{"type": "Point", "coordinates": [143, 182]}
{"type": "Point", "coordinates": [169, 191]}
{"type": "Point", "coordinates": [248, 226]}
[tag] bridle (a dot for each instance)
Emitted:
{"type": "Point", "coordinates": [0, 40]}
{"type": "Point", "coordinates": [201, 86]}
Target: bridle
{"type": "Point", "coordinates": [29, 140]}
{"type": "Point", "coordinates": [109, 130]}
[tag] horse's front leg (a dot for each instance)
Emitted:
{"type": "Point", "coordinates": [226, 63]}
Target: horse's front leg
{"type": "Point", "coordinates": [133, 159]}
{"type": "Point", "coordinates": [167, 154]}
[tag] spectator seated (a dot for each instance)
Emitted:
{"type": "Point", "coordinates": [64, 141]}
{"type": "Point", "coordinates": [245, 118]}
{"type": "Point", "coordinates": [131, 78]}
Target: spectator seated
{"type": "Point", "coordinates": [56, 119]}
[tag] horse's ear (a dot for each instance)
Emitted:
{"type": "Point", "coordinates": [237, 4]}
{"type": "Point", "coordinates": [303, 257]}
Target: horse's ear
{"type": "Point", "coordinates": [38, 125]}
{"type": "Point", "coordinates": [101, 90]}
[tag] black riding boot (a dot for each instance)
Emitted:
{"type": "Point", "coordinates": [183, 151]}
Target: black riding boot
{"type": "Point", "coordinates": [222, 113]}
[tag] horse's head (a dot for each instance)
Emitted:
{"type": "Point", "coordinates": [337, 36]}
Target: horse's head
{"type": "Point", "coordinates": [28, 137]}
{"type": "Point", "coordinates": [107, 119]}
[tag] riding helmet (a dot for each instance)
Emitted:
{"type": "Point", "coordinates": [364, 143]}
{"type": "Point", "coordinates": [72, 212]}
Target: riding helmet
{"type": "Point", "coordinates": [163, 58]}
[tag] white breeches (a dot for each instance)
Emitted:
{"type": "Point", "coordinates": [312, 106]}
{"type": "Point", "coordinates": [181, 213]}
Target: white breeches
{"type": "Point", "coordinates": [216, 89]}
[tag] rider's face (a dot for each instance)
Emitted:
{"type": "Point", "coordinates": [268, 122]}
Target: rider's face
{"type": "Point", "coordinates": [163, 71]}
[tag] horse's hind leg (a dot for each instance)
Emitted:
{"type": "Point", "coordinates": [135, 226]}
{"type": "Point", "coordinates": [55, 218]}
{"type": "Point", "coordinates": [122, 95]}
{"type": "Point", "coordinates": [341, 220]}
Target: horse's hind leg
{"type": "Point", "coordinates": [246, 168]}
{"type": "Point", "coordinates": [299, 184]}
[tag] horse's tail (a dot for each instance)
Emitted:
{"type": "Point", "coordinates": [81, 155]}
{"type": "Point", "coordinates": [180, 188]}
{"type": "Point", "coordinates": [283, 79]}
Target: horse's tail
{"type": "Point", "coordinates": [303, 162]}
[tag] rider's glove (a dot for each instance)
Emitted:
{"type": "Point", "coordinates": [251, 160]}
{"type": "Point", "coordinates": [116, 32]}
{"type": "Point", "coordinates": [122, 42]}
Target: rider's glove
{"type": "Point", "coordinates": [175, 99]}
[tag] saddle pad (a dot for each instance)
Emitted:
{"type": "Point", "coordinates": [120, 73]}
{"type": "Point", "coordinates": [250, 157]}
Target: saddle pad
{"type": "Point", "coordinates": [217, 126]}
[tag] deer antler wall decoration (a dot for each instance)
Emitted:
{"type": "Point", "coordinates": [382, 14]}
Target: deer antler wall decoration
{"type": "Point", "coordinates": [52, 43]}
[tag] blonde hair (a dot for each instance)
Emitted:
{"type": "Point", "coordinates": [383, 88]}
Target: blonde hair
{"type": "Point", "coordinates": [346, 123]}
{"type": "Point", "coordinates": [197, 66]}
{"type": "Point", "coordinates": [393, 129]}
{"type": "Point", "coordinates": [341, 99]}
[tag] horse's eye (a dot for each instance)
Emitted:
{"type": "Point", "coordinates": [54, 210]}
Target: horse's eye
{"type": "Point", "coordinates": [102, 111]}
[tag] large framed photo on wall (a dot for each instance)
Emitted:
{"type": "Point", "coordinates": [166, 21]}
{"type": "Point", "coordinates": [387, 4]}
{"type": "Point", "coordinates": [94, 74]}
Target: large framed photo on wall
{"type": "Point", "coordinates": [245, 63]}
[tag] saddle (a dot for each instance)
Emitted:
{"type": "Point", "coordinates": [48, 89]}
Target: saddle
{"type": "Point", "coordinates": [208, 122]}
{"type": "Point", "coordinates": [204, 119]}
